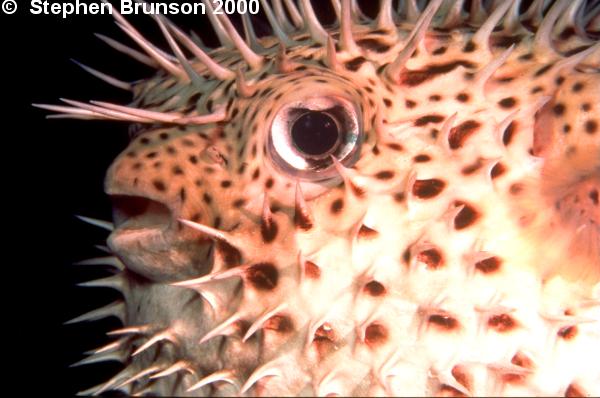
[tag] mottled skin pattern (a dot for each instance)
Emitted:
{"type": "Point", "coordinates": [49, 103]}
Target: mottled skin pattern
{"type": "Point", "coordinates": [460, 254]}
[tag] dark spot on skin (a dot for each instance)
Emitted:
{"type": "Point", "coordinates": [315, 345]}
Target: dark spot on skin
{"type": "Point", "coordinates": [577, 87]}
{"type": "Point", "coordinates": [507, 103]}
{"type": "Point", "coordinates": [302, 220]}
{"type": "Point", "coordinates": [498, 170]}
{"type": "Point", "coordinates": [275, 208]}
{"type": "Point", "coordinates": [469, 47]}
{"type": "Point", "coordinates": [445, 322]}
{"type": "Point", "coordinates": [269, 183]}
{"type": "Point", "coordinates": [542, 70]}
{"type": "Point", "coordinates": [575, 50]}
{"type": "Point", "coordinates": [357, 191]}
{"type": "Point", "coordinates": [559, 80]}
{"type": "Point", "coordinates": [263, 276]}
{"type": "Point", "coordinates": [399, 197]}
{"type": "Point", "coordinates": [591, 126]}
{"type": "Point", "coordinates": [374, 289]}
{"type": "Point", "coordinates": [509, 133]}
{"type": "Point", "coordinates": [324, 339]}
{"type": "Point", "coordinates": [164, 136]}
{"type": "Point", "coordinates": [422, 158]}
{"type": "Point", "coordinates": [432, 258]}
{"type": "Point", "coordinates": [489, 265]}
{"type": "Point", "coordinates": [396, 147]}
{"type": "Point", "coordinates": [193, 159]}
{"type": "Point", "coordinates": [435, 97]}
{"type": "Point", "coordinates": [566, 129]}
{"type": "Point", "coordinates": [232, 257]}
{"type": "Point", "coordinates": [466, 217]}
{"type": "Point", "coordinates": [506, 41]}
{"type": "Point", "coordinates": [406, 256]}
{"type": "Point", "coordinates": [448, 391]}
{"type": "Point", "coordinates": [575, 391]}
{"type": "Point", "coordinates": [226, 183]}
{"type": "Point", "coordinates": [131, 154]}
{"type": "Point", "coordinates": [559, 109]}
{"type": "Point", "coordinates": [537, 89]}
{"type": "Point", "coordinates": [137, 166]}
{"type": "Point", "coordinates": [311, 270]}
{"type": "Point", "coordinates": [355, 64]}
{"type": "Point", "coordinates": [566, 33]}
{"type": "Point", "coordinates": [279, 323]}
{"type": "Point", "coordinates": [439, 50]}
{"type": "Point", "coordinates": [144, 141]}
{"type": "Point", "coordinates": [366, 232]}
{"type": "Point", "coordinates": [427, 189]}
{"type": "Point", "coordinates": [229, 103]}
{"type": "Point", "coordinates": [473, 167]}
{"type": "Point", "coordinates": [586, 107]}
{"type": "Point", "coordinates": [375, 334]}
{"type": "Point", "coordinates": [217, 222]}
{"type": "Point", "coordinates": [469, 76]}
{"type": "Point", "coordinates": [373, 45]}
{"type": "Point", "coordinates": [268, 230]}
{"type": "Point", "coordinates": [171, 150]}
{"type": "Point", "coordinates": [462, 97]}
{"type": "Point", "coordinates": [337, 206]}
{"type": "Point", "coordinates": [177, 170]}
{"type": "Point", "coordinates": [501, 323]}
{"type": "Point", "coordinates": [239, 203]}
{"type": "Point", "coordinates": [459, 134]}
{"type": "Point", "coordinates": [388, 103]}
{"type": "Point", "coordinates": [506, 79]}
{"type": "Point", "coordinates": [525, 57]}
{"type": "Point", "coordinates": [416, 77]}
{"type": "Point", "coordinates": [380, 32]}
{"type": "Point", "coordinates": [182, 194]}
{"type": "Point", "coordinates": [159, 185]}
{"type": "Point", "coordinates": [256, 174]}
{"type": "Point", "coordinates": [568, 332]}
{"type": "Point", "coordinates": [522, 360]}
{"type": "Point", "coordinates": [425, 120]}
{"type": "Point", "coordinates": [593, 195]}
{"type": "Point", "coordinates": [385, 175]}
{"type": "Point", "coordinates": [459, 373]}
{"type": "Point", "coordinates": [410, 104]}
{"type": "Point", "coordinates": [152, 155]}
{"type": "Point", "coordinates": [207, 198]}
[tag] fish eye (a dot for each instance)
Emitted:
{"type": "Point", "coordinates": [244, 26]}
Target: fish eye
{"type": "Point", "coordinates": [306, 134]}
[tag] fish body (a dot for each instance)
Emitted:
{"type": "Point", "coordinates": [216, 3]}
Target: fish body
{"type": "Point", "coordinates": [401, 205]}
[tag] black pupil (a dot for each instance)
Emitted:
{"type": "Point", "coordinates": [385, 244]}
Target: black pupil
{"type": "Point", "coordinates": [315, 133]}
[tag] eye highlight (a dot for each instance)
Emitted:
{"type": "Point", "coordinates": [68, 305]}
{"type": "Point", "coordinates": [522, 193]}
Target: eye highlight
{"type": "Point", "coordinates": [306, 134]}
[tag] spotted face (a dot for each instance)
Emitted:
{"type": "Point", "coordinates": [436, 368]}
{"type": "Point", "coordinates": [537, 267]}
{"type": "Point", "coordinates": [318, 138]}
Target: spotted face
{"type": "Point", "coordinates": [399, 205]}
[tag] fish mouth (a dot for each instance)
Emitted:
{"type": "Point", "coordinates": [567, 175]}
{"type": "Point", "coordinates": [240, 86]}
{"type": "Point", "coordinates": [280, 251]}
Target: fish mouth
{"type": "Point", "coordinates": [132, 212]}
{"type": "Point", "coordinates": [148, 241]}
